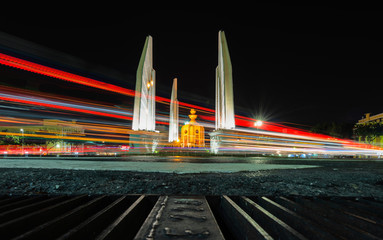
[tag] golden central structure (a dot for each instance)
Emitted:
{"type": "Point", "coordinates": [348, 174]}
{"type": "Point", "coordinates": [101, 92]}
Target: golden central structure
{"type": "Point", "coordinates": [192, 134]}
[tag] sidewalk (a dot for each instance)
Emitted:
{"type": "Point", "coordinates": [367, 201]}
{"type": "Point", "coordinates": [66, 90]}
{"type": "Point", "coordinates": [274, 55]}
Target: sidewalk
{"type": "Point", "coordinates": [164, 167]}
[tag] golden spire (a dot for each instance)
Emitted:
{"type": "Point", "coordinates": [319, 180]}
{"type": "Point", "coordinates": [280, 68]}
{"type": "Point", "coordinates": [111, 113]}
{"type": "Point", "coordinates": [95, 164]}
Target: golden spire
{"type": "Point", "coordinates": [192, 116]}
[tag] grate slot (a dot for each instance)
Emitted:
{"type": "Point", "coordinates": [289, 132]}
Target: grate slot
{"type": "Point", "coordinates": [364, 208]}
{"type": "Point", "coordinates": [307, 227]}
{"type": "Point", "coordinates": [320, 217]}
{"type": "Point", "coordinates": [272, 224]}
{"type": "Point", "coordinates": [23, 210]}
{"type": "Point", "coordinates": [11, 200]}
{"type": "Point", "coordinates": [29, 221]}
{"type": "Point", "coordinates": [326, 211]}
{"type": "Point", "coordinates": [93, 225]}
{"type": "Point", "coordinates": [16, 204]}
{"type": "Point", "coordinates": [352, 218]}
{"type": "Point", "coordinates": [129, 222]}
{"type": "Point", "coordinates": [240, 223]}
{"type": "Point", "coordinates": [62, 224]}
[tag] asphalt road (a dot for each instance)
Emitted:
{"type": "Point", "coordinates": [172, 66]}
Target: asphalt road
{"type": "Point", "coordinates": [261, 176]}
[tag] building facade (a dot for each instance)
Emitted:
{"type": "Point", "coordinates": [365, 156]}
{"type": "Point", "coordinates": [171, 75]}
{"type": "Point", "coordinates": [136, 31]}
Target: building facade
{"type": "Point", "coordinates": [54, 132]}
{"type": "Point", "coordinates": [373, 136]}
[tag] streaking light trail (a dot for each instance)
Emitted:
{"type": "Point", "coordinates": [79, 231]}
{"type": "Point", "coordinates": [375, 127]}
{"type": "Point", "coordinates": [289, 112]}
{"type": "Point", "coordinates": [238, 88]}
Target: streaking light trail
{"type": "Point", "coordinates": [250, 136]}
{"type": "Point", "coordinates": [59, 74]}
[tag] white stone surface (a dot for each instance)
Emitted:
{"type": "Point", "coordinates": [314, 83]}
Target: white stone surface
{"type": "Point", "coordinates": [144, 100]}
{"type": "Point", "coordinates": [173, 118]}
{"type": "Point", "coordinates": [224, 97]}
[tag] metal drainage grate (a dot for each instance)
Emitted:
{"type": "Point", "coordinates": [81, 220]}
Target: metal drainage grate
{"type": "Point", "coordinates": [189, 217]}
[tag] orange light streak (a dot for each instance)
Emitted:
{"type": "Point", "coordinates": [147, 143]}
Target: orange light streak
{"type": "Point", "coordinates": [59, 74]}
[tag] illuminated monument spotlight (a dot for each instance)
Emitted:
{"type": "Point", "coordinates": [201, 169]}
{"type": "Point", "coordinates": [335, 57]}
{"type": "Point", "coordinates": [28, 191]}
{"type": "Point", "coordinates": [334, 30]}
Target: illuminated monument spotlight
{"type": "Point", "coordinates": [224, 97]}
{"type": "Point", "coordinates": [144, 102]}
{"type": "Point", "coordinates": [173, 121]}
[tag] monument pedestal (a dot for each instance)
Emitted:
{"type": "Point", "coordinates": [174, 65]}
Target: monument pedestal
{"type": "Point", "coordinates": [222, 140]}
{"type": "Point", "coordinates": [145, 142]}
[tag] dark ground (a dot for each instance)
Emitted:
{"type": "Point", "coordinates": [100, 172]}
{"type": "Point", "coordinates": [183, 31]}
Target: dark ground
{"type": "Point", "coordinates": [353, 179]}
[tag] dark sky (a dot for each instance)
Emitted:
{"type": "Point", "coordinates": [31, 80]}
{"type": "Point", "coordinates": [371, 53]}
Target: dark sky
{"type": "Point", "coordinates": [301, 64]}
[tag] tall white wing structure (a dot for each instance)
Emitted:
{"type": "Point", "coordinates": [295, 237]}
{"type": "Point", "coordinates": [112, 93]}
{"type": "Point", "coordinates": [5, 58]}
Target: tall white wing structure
{"type": "Point", "coordinates": [144, 100]}
{"type": "Point", "coordinates": [224, 104]}
{"type": "Point", "coordinates": [173, 122]}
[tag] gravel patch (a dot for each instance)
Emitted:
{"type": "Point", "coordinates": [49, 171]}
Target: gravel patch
{"type": "Point", "coordinates": [323, 181]}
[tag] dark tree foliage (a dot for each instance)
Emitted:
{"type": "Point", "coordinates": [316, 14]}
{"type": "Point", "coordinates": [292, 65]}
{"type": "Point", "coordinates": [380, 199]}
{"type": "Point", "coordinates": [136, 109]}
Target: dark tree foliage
{"type": "Point", "coordinates": [10, 140]}
{"type": "Point", "coordinates": [369, 131]}
{"type": "Point", "coordinates": [334, 129]}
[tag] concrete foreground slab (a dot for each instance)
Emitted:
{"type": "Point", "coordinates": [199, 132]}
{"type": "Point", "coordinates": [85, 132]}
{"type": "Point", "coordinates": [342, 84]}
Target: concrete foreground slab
{"type": "Point", "coordinates": [164, 167]}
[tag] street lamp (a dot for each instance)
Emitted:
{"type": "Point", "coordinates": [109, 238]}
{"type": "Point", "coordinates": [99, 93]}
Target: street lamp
{"type": "Point", "coordinates": [22, 141]}
{"type": "Point", "coordinates": [58, 149]}
{"type": "Point", "coordinates": [258, 123]}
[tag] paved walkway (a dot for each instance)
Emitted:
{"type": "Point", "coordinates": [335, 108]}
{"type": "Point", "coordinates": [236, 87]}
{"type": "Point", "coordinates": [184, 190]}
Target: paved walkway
{"type": "Point", "coordinates": [166, 167]}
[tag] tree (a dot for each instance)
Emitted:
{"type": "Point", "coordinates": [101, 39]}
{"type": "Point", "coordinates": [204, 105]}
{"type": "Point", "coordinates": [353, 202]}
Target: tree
{"type": "Point", "coordinates": [334, 129]}
{"type": "Point", "coordinates": [10, 140]}
{"type": "Point", "coordinates": [369, 131]}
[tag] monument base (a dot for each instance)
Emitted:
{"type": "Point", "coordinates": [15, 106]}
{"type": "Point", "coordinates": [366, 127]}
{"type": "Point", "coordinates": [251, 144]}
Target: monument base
{"type": "Point", "coordinates": [223, 141]}
{"type": "Point", "coordinates": [145, 142]}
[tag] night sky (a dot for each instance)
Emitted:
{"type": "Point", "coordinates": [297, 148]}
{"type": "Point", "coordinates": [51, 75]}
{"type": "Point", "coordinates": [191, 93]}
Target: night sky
{"type": "Point", "coordinates": [300, 64]}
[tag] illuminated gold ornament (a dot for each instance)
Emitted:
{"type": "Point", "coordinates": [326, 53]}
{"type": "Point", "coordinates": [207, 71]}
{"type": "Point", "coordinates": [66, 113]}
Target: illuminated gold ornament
{"type": "Point", "coordinates": [192, 133]}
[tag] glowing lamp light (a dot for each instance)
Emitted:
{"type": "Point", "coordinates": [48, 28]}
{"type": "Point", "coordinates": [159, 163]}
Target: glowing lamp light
{"type": "Point", "coordinates": [151, 83]}
{"type": "Point", "coordinates": [178, 140]}
{"type": "Point", "coordinates": [148, 85]}
{"type": "Point", "coordinates": [258, 123]}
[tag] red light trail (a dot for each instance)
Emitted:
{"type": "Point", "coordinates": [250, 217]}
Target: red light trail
{"type": "Point", "coordinates": [59, 74]}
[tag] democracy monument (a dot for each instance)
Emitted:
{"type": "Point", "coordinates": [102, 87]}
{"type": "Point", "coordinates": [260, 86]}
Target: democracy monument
{"type": "Point", "coordinates": [147, 137]}
{"type": "Point", "coordinates": [224, 97]}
